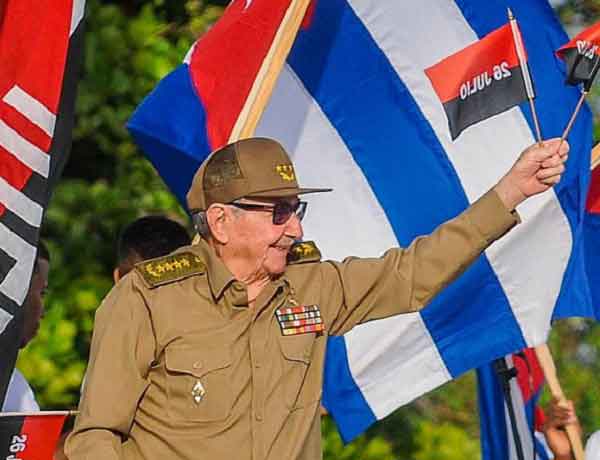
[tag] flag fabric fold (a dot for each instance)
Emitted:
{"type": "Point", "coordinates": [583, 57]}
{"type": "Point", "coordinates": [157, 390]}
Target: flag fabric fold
{"type": "Point", "coordinates": [40, 51]}
{"type": "Point", "coordinates": [357, 111]}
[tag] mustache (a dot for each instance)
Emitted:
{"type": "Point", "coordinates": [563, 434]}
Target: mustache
{"type": "Point", "coordinates": [285, 242]}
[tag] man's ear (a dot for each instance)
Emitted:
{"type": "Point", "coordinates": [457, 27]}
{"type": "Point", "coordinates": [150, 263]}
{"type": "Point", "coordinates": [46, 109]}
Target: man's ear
{"type": "Point", "coordinates": [116, 275]}
{"type": "Point", "coordinates": [216, 217]}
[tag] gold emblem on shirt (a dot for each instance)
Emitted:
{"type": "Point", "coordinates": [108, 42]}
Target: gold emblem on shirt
{"type": "Point", "coordinates": [306, 251]}
{"type": "Point", "coordinates": [170, 268]}
{"type": "Point", "coordinates": [198, 392]}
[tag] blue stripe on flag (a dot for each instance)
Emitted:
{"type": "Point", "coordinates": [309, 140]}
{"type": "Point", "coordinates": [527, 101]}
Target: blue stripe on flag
{"type": "Point", "coordinates": [347, 399]}
{"type": "Point", "coordinates": [493, 429]}
{"type": "Point", "coordinates": [380, 122]}
{"type": "Point", "coordinates": [176, 148]}
{"type": "Point", "coordinates": [543, 35]}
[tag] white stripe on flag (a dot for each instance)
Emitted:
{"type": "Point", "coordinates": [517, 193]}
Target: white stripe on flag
{"type": "Point", "coordinates": [5, 318]}
{"type": "Point", "coordinates": [32, 109]}
{"type": "Point", "coordinates": [530, 273]}
{"type": "Point", "coordinates": [27, 209]}
{"type": "Point", "coordinates": [13, 285]}
{"type": "Point", "coordinates": [396, 349]}
{"type": "Point", "coordinates": [320, 154]}
{"type": "Point", "coordinates": [29, 154]}
{"type": "Point", "coordinates": [77, 14]}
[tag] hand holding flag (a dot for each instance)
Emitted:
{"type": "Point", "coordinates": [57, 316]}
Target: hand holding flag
{"type": "Point", "coordinates": [537, 169]}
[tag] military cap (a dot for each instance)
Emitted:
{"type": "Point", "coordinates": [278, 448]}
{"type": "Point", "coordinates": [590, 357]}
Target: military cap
{"type": "Point", "coordinates": [248, 168]}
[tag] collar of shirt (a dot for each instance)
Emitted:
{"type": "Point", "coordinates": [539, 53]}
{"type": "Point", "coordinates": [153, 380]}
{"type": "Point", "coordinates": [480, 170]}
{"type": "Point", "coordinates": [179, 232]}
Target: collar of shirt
{"type": "Point", "coordinates": [219, 276]}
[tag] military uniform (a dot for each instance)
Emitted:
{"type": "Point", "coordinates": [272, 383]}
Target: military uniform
{"type": "Point", "coordinates": [181, 367]}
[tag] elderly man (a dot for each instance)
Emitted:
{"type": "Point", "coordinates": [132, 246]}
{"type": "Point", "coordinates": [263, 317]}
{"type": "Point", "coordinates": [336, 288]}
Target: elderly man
{"type": "Point", "coordinates": [217, 350]}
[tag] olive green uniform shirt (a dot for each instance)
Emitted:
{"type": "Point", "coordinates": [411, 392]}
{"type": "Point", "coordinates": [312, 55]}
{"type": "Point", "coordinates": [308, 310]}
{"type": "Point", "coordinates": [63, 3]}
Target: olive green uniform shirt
{"type": "Point", "coordinates": [186, 370]}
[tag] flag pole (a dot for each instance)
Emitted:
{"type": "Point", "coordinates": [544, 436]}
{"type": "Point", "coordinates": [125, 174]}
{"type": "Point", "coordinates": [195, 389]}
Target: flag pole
{"type": "Point", "coordinates": [270, 69]}
{"type": "Point", "coordinates": [595, 161]}
{"type": "Point", "coordinates": [525, 71]}
{"type": "Point", "coordinates": [547, 363]}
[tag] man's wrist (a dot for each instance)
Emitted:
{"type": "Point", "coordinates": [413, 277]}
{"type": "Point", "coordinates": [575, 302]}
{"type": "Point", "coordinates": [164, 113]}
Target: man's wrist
{"type": "Point", "coordinates": [509, 194]}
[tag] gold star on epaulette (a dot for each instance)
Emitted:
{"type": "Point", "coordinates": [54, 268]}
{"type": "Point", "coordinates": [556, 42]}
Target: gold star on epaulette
{"type": "Point", "coordinates": [171, 268]}
{"type": "Point", "coordinates": [305, 251]}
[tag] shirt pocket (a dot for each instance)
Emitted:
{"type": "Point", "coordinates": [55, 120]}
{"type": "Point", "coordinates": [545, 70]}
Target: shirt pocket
{"type": "Point", "coordinates": [198, 387]}
{"type": "Point", "coordinates": [297, 356]}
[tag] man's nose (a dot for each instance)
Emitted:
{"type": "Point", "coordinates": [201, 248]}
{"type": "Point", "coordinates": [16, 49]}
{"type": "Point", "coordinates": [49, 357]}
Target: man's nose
{"type": "Point", "coordinates": [294, 228]}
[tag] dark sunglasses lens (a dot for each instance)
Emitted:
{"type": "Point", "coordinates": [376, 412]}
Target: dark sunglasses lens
{"type": "Point", "coordinates": [282, 212]}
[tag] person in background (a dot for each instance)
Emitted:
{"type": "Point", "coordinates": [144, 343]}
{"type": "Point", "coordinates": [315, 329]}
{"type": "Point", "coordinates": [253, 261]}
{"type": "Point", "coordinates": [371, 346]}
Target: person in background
{"type": "Point", "coordinates": [147, 238]}
{"type": "Point", "coordinates": [20, 396]}
{"type": "Point", "coordinates": [557, 418]}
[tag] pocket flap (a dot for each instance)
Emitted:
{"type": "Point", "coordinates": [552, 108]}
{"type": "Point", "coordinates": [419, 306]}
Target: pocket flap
{"type": "Point", "coordinates": [297, 347]}
{"type": "Point", "coordinates": [195, 361]}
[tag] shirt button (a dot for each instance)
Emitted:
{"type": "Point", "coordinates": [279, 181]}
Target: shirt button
{"type": "Point", "coordinates": [197, 365]}
{"type": "Point", "coordinates": [257, 365]}
{"type": "Point", "coordinates": [258, 417]}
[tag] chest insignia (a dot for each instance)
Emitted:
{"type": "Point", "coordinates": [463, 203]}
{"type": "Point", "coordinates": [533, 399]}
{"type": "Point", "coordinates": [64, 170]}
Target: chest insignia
{"type": "Point", "coordinates": [198, 392]}
{"type": "Point", "coordinates": [300, 319]}
{"type": "Point", "coordinates": [166, 269]}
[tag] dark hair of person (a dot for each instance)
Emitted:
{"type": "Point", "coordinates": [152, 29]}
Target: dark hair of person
{"type": "Point", "coordinates": [151, 236]}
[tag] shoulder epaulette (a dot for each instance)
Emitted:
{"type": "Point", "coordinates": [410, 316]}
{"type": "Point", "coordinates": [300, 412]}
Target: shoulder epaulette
{"type": "Point", "coordinates": [167, 269]}
{"type": "Point", "coordinates": [303, 252]}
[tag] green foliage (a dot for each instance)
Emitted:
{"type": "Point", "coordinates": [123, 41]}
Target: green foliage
{"type": "Point", "coordinates": [129, 46]}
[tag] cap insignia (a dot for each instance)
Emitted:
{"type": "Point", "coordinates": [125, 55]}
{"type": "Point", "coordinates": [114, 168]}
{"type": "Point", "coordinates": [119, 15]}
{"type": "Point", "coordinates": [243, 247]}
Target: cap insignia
{"type": "Point", "coordinates": [170, 268]}
{"type": "Point", "coordinates": [286, 172]}
{"type": "Point", "coordinates": [305, 251]}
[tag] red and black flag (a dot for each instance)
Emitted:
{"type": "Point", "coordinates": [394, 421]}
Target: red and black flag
{"type": "Point", "coordinates": [480, 81]}
{"type": "Point", "coordinates": [582, 57]}
{"type": "Point", "coordinates": [30, 436]}
{"type": "Point", "coordinates": [40, 53]}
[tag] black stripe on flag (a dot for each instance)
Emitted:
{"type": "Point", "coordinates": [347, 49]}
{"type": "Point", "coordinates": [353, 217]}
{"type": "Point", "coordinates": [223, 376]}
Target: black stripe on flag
{"type": "Point", "coordinates": [479, 100]}
{"type": "Point", "coordinates": [18, 226]}
{"type": "Point", "coordinates": [6, 265]}
{"type": "Point", "coordinates": [10, 426]}
{"type": "Point", "coordinates": [580, 68]}
{"type": "Point", "coordinates": [36, 189]}
{"type": "Point", "coordinates": [63, 130]}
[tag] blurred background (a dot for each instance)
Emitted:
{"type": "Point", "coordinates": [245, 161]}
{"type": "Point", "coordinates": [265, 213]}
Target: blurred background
{"type": "Point", "coordinates": [129, 46]}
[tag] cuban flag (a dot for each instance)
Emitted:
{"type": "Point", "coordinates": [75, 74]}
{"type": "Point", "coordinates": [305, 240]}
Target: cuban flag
{"type": "Point", "coordinates": [357, 112]}
{"type": "Point", "coordinates": [497, 429]}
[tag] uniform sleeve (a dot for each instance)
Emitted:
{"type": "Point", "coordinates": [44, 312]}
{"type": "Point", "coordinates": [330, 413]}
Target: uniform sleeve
{"type": "Point", "coordinates": [405, 280]}
{"type": "Point", "coordinates": [121, 355]}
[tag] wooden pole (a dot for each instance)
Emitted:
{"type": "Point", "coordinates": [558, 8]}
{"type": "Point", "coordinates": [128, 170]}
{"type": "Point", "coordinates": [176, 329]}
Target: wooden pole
{"type": "Point", "coordinates": [547, 363]}
{"type": "Point", "coordinates": [270, 69]}
{"type": "Point", "coordinates": [595, 157]}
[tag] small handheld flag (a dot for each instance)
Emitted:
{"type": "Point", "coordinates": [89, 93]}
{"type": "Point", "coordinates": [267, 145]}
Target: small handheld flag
{"type": "Point", "coordinates": [30, 436]}
{"type": "Point", "coordinates": [582, 58]}
{"type": "Point", "coordinates": [480, 81]}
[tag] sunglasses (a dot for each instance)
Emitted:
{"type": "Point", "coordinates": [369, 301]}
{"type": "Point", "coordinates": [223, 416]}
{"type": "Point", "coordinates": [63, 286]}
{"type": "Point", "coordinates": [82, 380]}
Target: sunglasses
{"type": "Point", "coordinates": [282, 210]}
